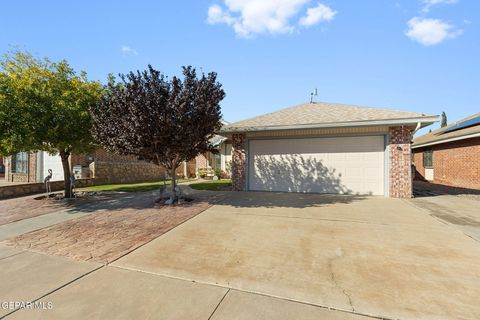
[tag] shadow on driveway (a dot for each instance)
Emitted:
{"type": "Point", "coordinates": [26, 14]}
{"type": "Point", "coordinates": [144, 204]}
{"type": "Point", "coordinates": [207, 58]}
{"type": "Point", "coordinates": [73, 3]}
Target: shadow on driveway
{"type": "Point", "coordinates": [427, 189]}
{"type": "Point", "coordinates": [257, 199]}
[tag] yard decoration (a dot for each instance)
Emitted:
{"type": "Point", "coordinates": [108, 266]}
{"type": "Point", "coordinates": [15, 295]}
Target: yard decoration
{"type": "Point", "coordinates": [44, 107]}
{"type": "Point", "coordinates": [46, 182]}
{"type": "Point", "coordinates": [160, 120]}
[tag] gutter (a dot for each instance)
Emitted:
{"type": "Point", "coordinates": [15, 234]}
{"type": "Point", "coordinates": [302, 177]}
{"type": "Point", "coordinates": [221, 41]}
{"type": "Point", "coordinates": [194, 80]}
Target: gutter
{"type": "Point", "coordinates": [461, 137]}
{"type": "Point", "coordinates": [363, 123]}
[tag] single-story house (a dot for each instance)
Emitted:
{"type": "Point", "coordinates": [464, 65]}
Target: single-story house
{"type": "Point", "coordinates": [106, 167]}
{"type": "Point", "coordinates": [326, 148]}
{"type": "Point", "coordinates": [103, 166]}
{"type": "Point", "coordinates": [210, 162]}
{"type": "Point", "coordinates": [450, 155]}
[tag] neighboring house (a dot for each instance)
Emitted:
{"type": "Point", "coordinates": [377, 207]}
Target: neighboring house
{"type": "Point", "coordinates": [105, 167]}
{"type": "Point", "coordinates": [2, 168]}
{"type": "Point", "coordinates": [450, 155]}
{"type": "Point", "coordinates": [209, 162]}
{"type": "Point", "coordinates": [326, 148]}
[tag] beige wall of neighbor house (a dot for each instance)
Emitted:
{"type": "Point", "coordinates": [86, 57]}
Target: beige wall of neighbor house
{"type": "Point", "coordinates": [108, 167]}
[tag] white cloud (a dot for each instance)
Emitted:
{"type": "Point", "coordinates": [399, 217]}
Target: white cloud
{"type": "Point", "coordinates": [428, 4]}
{"type": "Point", "coordinates": [430, 31]}
{"type": "Point", "coordinates": [129, 50]}
{"type": "Point", "coordinates": [317, 14]}
{"type": "Point", "coordinates": [250, 17]}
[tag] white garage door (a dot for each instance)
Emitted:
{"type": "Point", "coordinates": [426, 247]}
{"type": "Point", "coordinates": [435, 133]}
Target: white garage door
{"type": "Point", "coordinates": [53, 162]}
{"type": "Point", "coordinates": [345, 165]}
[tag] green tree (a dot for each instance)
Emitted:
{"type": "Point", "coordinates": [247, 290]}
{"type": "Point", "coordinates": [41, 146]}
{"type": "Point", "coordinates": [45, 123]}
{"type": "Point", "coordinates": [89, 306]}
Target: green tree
{"type": "Point", "coordinates": [444, 119]}
{"type": "Point", "coordinates": [44, 107]}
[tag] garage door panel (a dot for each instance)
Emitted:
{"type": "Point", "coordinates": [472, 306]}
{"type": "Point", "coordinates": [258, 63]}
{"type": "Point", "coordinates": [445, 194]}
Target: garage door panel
{"type": "Point", "coordinates": [346, 165]}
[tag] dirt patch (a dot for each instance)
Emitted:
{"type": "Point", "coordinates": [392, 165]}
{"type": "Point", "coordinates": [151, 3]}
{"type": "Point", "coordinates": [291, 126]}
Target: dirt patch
{"type": "Point", "coordinates": [105, 236]}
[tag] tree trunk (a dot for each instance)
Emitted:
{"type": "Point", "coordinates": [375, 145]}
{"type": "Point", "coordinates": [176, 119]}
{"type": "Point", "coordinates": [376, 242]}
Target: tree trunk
{"type": "Point", "coordinates": [66, 174]}
{"type": "Point", "coordinates": [174, 185]}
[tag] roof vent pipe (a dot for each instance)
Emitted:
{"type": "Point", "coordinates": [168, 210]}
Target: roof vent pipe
{"type": "Point", "coordinates": [314, 93]}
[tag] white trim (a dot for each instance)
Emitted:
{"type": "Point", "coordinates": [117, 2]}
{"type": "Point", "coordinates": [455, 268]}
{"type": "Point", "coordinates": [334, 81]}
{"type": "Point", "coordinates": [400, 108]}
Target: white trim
{"type": "Point", "coordinates": [426, 144]}
{"type": "Point", "coordinates": [410, 121]}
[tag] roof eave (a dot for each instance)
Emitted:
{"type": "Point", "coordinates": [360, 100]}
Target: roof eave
{"type": "Point", "coordinates": [425, 121]}
{"type": "Point", "coordinates": [452, 139]}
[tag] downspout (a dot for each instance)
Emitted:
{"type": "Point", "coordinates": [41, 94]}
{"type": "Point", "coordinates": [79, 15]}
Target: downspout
{"type": "Point", "coordinates": [419, 124]}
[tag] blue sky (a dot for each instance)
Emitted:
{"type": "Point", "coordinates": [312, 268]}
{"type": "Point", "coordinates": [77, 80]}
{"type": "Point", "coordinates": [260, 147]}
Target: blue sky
{"type": "Point", "coordinates": [415, 55]}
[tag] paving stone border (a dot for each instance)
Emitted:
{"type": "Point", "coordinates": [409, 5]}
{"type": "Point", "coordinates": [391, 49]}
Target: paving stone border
{"type": "Point", "coordinates": [18, 190]}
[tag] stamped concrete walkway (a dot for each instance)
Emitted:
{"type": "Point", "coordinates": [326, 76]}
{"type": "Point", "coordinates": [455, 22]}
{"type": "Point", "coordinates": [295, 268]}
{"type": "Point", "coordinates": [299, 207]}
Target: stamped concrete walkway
{"type": "Point", "coordinates": [25, 214]}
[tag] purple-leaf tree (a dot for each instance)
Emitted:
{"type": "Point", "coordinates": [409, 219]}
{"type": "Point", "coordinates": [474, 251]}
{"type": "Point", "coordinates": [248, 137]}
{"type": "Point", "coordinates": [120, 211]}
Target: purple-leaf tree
{"type": "Point", "coordinates": [159, 120]}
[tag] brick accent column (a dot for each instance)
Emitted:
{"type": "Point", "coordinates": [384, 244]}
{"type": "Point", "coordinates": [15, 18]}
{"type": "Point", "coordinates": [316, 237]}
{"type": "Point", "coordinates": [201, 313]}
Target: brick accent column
{"type": "Point", "coordinates": [239, 162]}
{"type": "Point", "coordinates": [400, 162]}
{"type": "Point", "coordinates": [32, 167]}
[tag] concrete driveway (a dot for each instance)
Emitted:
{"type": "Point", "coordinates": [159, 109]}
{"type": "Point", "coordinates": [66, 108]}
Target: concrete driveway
{"type": "Point", "coordinates": [459, 212]}
{"type": "Point", "coordinates": [368, 256]}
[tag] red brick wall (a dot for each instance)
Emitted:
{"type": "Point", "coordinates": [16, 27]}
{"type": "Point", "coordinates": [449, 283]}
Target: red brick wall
{"type": "Point", "coordinates": [455, 163]}
{"type": "Point", "coordinates": [239, 162]}
{"type": "Point", "coordinates": [400, 162]}
{"type": "Point", "coordinates": [418, 162]}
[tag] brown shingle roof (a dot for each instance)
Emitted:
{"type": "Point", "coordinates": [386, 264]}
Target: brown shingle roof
{"type": "Point", "coordinates": [321, 113]}
{"type": "Point", "coordinates": [437, 136]}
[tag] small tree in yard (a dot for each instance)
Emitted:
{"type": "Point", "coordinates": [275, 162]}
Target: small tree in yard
{"type": "Point", "coordinates": [158, 120]}
{"type": "Point", "coordinates": [444, 119]}
{"type": "Point", "coordinates": [44, 107]}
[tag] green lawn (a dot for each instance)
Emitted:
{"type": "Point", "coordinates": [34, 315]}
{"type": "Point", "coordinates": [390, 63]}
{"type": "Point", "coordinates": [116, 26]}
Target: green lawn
{"type": "Point", "coordinates": [131, 187]}
{"type": "Point", "coordinates": [213, 185]}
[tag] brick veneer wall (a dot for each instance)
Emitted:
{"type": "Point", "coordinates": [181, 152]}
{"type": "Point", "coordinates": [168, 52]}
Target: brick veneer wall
{"type": "Point", "coordinates": [108, 167]}
{"type": "Point", "coordinates": [126, 172]}
{"type": "Point", "coordinates": [418, 162]}
{"type": "Point", "coordinates": [239, 162]}
{"type": "Point", "coordinates": [455, 163]}
{"type": "Point", "coordinates": [29, 176]}
{"type": "Point", "coordinates": [400, 162]}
